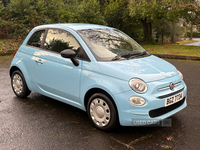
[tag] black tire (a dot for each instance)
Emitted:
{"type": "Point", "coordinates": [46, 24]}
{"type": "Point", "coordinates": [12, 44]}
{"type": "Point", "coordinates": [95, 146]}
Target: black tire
{"type": "Point", "coordinates": [19, 85]}
{"type": "Point", "coordinates": [102, 112]}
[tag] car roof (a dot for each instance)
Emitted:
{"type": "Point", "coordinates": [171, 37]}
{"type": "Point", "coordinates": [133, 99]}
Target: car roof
{"type": "Point", "coordinates": [74, 26]}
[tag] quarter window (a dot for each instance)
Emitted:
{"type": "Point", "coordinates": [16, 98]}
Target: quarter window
{"type": "Point", "coordinates": [36, 38]}
{"type": "Point", "coordinates": [58, 40]}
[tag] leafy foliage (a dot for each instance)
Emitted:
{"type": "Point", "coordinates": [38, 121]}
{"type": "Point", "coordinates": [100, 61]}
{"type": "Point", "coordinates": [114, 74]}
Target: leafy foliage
{"type": "Point", "coordinates": [151, 12]}
{"type": "Point", "coordinates": [168, 29]}
{"type": "Point", "coordinates": [137, 18]}
{"type": "Point", "coordinates": [19, 16]}
{"type": "Point", "coordinates": [195, 34]}
{"type": "Point", "coordinates": [87, 11]}
{"type": "Point", "coordinates": [117, 15]}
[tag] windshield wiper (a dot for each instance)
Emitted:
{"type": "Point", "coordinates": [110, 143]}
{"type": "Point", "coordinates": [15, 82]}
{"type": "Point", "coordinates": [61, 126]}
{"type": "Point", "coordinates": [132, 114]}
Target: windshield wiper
{"type": "Point", "coordinates": [120, 56]}
{"type": "Point", "coordinates": [138, 54]}
{"type": "Point", "coordinates": [116, 58]}
{"type": "Point", "coordinates": [126, 55]}
{"type": "Point", "coordinates": [129, 55]}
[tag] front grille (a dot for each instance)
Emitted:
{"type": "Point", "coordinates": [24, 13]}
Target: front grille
{"type": "Point", "coordinates": [164, 96]}
{"type": "Point", "coordinates": [168, 87]}
{"type": "Point", "coordinates": [163, 110]}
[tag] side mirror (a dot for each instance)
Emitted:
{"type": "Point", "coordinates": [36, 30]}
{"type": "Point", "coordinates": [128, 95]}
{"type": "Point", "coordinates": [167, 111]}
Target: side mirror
{"type": "Point", "coordinates": [69, 53]}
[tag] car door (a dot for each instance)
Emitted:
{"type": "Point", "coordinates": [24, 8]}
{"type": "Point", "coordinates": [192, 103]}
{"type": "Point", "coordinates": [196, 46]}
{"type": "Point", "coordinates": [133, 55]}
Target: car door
{"type": "Point", "coordinates": [56, 76]}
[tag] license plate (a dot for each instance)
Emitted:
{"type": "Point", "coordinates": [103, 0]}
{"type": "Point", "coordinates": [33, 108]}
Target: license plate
{"type": "Point", "coordinates": [173, 99]}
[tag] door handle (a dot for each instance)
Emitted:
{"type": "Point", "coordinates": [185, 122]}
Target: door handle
{"type": "Point", "coordinates": [39, 61]}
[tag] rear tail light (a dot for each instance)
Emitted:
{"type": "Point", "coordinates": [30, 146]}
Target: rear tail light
{"type": "Point", "coordinates": [14, 54]}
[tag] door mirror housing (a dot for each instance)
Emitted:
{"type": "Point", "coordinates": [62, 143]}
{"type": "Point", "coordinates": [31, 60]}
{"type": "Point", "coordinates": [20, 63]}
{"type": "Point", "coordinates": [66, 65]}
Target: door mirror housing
{"type": "Point", "coordinates": [69, 53]}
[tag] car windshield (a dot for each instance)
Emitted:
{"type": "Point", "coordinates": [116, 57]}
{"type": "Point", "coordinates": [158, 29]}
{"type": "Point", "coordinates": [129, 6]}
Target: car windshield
{"type": "Point", "coordinates": [110, 44]}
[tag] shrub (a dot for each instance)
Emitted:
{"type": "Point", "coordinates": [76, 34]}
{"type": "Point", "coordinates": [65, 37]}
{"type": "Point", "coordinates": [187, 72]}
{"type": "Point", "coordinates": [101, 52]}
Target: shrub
{"type": "Point", "coordinates": [195, 33]}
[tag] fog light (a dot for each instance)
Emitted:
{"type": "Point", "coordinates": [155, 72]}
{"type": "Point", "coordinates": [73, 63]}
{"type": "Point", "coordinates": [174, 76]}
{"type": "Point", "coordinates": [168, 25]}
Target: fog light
{"type": "Point", "coordinates": [137, 101]}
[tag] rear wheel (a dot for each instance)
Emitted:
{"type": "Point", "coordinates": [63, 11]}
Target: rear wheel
{"type": "Point", "coordinates": [102, 112]}
{"type": "Point", "coordinates": [19, 85]}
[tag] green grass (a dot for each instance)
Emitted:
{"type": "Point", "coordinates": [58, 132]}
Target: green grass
{"type": "Point", "coordinates": [173, 49]}
{"type": "Point", "coordinates": [182, 42]}
{"type": "Point", "coordinates": [10, 44]}
{"type": "Point", "coordinates": [5, 60]}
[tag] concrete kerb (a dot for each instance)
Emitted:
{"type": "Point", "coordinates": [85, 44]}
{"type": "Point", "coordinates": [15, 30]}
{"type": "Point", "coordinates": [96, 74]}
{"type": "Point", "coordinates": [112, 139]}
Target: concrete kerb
{"type": "Point", "coordinates": [10, 52]}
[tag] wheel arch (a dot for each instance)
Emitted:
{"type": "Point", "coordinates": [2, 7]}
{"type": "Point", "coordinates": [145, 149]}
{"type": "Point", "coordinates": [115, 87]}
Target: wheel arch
{"type": "Point", "coordinates": [98, 90]}
{"type": "Point", "coordinates": [12, 69]}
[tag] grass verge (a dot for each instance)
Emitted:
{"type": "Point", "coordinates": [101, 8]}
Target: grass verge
{"type": "Point", "coordinates": [10, 44]}
{"type": "Point", "coordinates": [173, 49]}
{"type": "Point", "coordinates": [182, 42]}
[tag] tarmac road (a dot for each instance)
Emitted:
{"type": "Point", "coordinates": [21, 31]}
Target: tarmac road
{"type": "Point", "coordinates": [41, 123]}
{"type": "Point", "coordinates": [195, 43]}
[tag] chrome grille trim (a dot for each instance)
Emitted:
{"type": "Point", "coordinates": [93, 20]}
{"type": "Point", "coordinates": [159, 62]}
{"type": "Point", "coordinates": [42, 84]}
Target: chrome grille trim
{"type": "Point", "coordinates": [171, 94]}
{"type": "Point", "coordinates": [167, 87]}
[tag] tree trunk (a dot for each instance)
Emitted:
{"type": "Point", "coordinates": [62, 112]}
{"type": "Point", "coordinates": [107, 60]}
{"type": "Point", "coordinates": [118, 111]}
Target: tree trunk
{"type": "Point", "coordinates": [185, 35]}
{"type": "Point", "coordinates": [147, 27]}
{"type": "Point", "coordinates": [162, 37]}
{"type": "Point", "coordinates": [35, 4]}
{"type": "Point", "coordinates": [191, 31]}
{"type": "Point", "coordinates": [5, 2]}
{"type": "Point", "coordinates": [162, 32]}
{"type": "Point", "coordinates": [173, 39]}
{"type": "Point", "coordinates": [173, 35]}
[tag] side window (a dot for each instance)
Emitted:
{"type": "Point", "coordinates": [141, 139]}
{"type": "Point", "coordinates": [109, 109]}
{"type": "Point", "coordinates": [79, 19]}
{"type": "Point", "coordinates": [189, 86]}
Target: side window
{"type": "Point", "coordinates": [36, 38]}
{"type": "Point", "coordinates": [58, 40]}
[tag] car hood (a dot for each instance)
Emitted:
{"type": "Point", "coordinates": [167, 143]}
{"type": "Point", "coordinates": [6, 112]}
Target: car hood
{"type": "Point", "coordinates": [148, 69]}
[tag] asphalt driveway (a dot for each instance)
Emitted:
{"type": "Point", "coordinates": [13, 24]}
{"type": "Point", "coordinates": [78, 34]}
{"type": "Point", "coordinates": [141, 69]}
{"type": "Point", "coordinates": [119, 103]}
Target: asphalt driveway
{"type": "Point", "coordinates": [41, 123]}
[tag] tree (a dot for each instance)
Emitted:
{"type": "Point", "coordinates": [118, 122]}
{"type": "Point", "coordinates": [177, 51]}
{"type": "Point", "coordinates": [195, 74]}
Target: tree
{"type": "Point", "coordinates": [19, 17]}
{"type": "Point", "coordinates": [168, 29]}
{"type": "Point", "coordinates": [151, 12]}
{"type": "Point", "coordinates": [148, 12]}
{"type": "Point", "coordinates": [191, 14]}
{"type": "Point", "coordinates": [5, 2]}
{"type": "Point", "coordinates": [86, 11]}
{"type": "Point", "coordinates": [116, 14]}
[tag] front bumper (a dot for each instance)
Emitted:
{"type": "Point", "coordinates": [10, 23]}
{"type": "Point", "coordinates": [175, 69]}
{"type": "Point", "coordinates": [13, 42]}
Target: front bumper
{"type": "Point", "coordinates": [154, 109]}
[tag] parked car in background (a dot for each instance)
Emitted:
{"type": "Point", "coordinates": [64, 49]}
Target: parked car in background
{"type": "Point", "coordinates": [100, 70]}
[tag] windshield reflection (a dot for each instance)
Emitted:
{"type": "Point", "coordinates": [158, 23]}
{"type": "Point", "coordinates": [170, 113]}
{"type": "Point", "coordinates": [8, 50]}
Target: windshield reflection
{"type": "Point", "coordinates": [106, 43]}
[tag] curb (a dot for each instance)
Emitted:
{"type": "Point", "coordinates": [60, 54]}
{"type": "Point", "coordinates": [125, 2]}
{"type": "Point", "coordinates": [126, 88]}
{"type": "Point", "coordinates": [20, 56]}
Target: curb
{"type": "Point", "coordinates": [177, 57]}
{"type": "Point", "coordinates": [10, 52]}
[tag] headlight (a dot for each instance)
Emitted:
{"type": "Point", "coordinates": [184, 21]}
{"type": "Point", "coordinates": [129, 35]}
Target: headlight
{"type": "Point", "coordinates": [180, 74]}
{"type": "Point", "coordinates": [138, 101]}
{"type": "Point", "coordinates": [138, 85]}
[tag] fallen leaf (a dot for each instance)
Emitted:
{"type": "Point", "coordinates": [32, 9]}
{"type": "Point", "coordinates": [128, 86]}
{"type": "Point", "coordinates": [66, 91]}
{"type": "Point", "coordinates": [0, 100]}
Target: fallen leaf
{"type": "Point", "coordinates": [169, 138]}
{"type": "Point", "coordinates": [166, 146]}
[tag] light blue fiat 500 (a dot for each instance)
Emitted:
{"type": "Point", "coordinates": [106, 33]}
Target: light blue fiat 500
{"type": "Point", "coordinates": [100, 70]}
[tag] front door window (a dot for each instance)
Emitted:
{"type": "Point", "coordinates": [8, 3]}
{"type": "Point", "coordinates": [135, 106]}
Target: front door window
{"type": "Point", "coordinates": [59, 40]}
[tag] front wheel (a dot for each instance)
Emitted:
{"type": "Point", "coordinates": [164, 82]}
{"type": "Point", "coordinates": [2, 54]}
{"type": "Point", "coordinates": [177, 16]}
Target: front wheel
{"type": "Point", "coordinates": [102, 112]}
{"type": "Point", "coordinates": [19, 85]}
